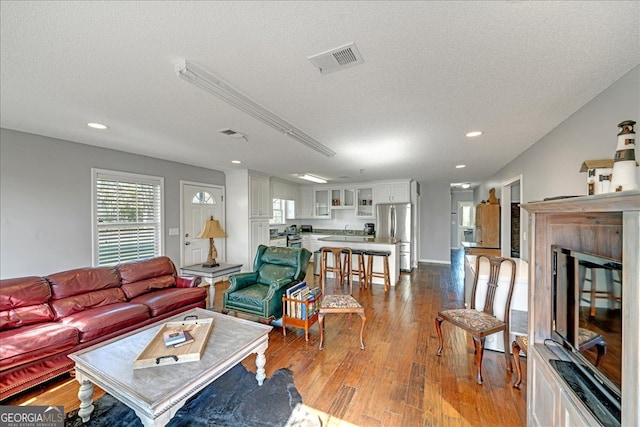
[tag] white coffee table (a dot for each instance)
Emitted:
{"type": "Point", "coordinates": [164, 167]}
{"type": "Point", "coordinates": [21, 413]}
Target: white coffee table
{"type": "Point", "coordinates": [157, 393]}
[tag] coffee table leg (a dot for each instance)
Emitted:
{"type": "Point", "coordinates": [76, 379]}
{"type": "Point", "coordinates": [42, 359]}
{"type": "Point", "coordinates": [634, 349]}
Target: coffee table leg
{"type": "Point", "coordinates": [85, 395]}
{"type": "Point", "coordinates": [261, 360]}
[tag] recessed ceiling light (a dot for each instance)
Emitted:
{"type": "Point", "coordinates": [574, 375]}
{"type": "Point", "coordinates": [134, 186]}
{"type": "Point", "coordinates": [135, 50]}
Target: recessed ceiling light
{"type": "Point", "coordinates": [474, 133]}
{"type": "Point", "coordinates": [97, 126]}
{"type": "Point", "coordinates": [237, 162]}
{"type": "Point", "coordinates": [466, 185]}
{"type": "Point", "coordinates": [460, 166]}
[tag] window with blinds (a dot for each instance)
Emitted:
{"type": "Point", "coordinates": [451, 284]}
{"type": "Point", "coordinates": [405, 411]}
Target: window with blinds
{"type": "Point", "coordinates": [127, 217]}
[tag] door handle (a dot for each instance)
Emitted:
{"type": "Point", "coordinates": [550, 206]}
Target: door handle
{"type": "Point", "coordinates": [187, 243]}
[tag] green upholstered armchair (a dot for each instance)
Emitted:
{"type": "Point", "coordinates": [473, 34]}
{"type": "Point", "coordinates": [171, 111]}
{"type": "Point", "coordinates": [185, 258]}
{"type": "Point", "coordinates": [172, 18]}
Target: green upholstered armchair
{"type": "Point", "coordinates": [275, 269]}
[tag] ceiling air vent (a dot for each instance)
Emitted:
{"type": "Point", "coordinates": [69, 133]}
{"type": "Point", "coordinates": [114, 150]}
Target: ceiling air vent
{"type": "Point", "coordinates": [337, 59]}
{"type": "Point", "coordinates": [233, 134]}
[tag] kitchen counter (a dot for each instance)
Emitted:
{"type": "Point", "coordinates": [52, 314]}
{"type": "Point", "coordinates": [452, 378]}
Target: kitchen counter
{"type": "Point", "coordinates": [358, 239]}
{"type": "Point", "coordinates": [374, 243]}
{"type": "Point", "coordinates": [474, 248]}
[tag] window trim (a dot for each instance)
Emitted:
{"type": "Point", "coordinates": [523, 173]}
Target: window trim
{"type": "Point", "coordinates": [116, 175]}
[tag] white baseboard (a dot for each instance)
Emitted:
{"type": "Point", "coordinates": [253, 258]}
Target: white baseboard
{"type": "Point", "coordinates": [435, 261]}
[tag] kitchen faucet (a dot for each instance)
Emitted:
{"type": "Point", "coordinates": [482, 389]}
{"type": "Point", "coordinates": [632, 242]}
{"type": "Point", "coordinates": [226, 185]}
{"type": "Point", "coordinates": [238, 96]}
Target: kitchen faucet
{"type": "Point", "coordinates": [345, 228]}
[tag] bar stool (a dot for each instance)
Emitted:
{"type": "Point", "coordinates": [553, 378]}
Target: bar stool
{"type": "Point", "coordinates": [385, 263]}
{"type": "Point", "coordinates": [336, 267]}
{"type": "Point", "coordinates": [360, 270]}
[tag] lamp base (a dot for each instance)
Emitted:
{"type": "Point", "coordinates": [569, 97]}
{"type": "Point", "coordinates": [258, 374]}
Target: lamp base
{"type": "Point", "coordinates": [210, 265]}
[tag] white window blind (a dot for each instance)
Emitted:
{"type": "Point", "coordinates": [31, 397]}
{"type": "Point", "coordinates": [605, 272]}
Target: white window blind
{"type": "Point", "coordinates": [127, 217]}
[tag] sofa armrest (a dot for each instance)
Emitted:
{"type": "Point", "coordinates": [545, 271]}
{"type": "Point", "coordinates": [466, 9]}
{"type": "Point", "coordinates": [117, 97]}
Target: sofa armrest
{"type": "Point", "coordinates": [188, 282]}
{"type": "Point", "coordinates": [242, 280]}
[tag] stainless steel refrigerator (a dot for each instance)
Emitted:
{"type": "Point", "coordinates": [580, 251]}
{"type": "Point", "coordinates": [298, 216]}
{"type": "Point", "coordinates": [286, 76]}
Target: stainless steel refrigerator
{"type": "Point", "coordinates": [394, 221]}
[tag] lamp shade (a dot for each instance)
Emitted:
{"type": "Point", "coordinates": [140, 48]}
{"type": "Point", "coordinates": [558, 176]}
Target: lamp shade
{"type": "Point", "coordinates": [212, 229]}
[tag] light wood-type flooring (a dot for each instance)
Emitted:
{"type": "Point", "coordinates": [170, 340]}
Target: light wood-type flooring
{"type": "Point", "coordinates": [397, 380]}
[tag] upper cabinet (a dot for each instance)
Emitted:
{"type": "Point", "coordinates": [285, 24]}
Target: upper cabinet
{"type": "Point", "coordinates": [259, 196]}
{"type": "Point", "coordinates": [343, 198]}
{"type": "Point", "coordinates": [393, 192]}
{"type": "Point", "coordinates": [321, 203]}
{"type": "Point", "coordinates": [365, 202]}
{"type": "Point", "coordinates": [318, 201]}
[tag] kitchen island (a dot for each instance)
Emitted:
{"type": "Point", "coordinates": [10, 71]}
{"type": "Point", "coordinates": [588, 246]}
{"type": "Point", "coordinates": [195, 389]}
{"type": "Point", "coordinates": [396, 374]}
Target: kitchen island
{"type": "Point", "coordinates": [370, 243]}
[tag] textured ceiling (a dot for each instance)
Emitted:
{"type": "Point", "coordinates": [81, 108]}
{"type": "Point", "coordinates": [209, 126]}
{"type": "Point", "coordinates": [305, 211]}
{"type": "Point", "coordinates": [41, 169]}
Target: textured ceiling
{"type": "Point", "coordinates": [432, 71]}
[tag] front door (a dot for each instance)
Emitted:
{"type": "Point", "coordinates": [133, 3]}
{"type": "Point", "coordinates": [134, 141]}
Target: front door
{"type": "Point", "coordinates": [199, 203]}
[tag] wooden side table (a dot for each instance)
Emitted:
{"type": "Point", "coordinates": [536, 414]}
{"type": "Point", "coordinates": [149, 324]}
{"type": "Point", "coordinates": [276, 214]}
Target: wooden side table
{"type": "Point", "coordinates": [211, 273]}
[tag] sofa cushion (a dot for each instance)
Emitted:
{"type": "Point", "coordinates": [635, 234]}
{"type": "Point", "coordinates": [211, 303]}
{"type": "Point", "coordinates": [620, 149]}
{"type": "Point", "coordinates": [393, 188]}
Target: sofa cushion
{"type": "Point", "coordinates": [33, 342]}
{"type": "Point", "coordinates": [23, 291]}
{"type": "Point", "coordinates": [82, 280]}
{"type": "Point", "coordinates": [78, 303]}
{"type": "Point", "coordinates": [23, 301]}
{"type": "Point", "coordinates": [135, 289]}
{"type": "Point", "coordinates": [97, 322]}
{"type": "Point", "coordinates": [24, 316]}
{"type": "Point", "coordinates": [167, 300]}
{"type": "Point", "coordinates": [272, 272]}
{"type": "Point", "coordinates": [141, 270]}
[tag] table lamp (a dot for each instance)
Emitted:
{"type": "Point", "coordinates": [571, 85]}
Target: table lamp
{"type": "Point", "coordinates": [212, 230]}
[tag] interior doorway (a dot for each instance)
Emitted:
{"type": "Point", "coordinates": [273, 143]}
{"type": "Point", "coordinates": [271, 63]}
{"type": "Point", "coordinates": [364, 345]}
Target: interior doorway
{"type": "Point", "coordinates": [466, 222]}
{"type": "Point", "coordinates": [510, 218]}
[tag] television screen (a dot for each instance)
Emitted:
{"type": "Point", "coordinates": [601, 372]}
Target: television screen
{"type": "Point", "coordinates": [587, 313]}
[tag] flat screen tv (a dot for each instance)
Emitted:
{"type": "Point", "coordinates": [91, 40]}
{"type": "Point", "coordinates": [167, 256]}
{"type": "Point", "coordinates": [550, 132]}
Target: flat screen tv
{"type": "Point", "coordinates": [587, 317]}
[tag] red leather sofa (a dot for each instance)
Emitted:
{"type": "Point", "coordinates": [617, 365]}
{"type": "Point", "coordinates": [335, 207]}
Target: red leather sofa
{"type": "Point", "coordinates": [43, 319]}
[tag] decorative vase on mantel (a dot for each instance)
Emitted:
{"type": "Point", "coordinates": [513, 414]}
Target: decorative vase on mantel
{"type": "Point", "coordinates": [624, 162]}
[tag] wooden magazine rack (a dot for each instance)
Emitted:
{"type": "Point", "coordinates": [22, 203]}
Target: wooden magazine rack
{"type": "Point", "coordinates": [291, 318]}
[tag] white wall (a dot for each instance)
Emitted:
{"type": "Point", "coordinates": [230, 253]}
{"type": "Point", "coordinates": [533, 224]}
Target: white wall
{"type": "Point", "coordinates": [551, 167]}
{"type": "Point", "coordinates": [45, 200]}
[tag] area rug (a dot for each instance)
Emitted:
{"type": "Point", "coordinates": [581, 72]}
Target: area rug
{"type": "Point", "coordinates": [234, 399]}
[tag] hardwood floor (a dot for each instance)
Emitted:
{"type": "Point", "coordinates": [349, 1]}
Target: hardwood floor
{"type": "Point", "coordinates": [397, 380]}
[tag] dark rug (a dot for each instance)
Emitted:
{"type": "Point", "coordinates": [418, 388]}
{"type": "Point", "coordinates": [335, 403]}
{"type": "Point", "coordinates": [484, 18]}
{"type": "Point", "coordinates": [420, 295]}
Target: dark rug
{"type": "Point", "coordinates": [234, 399]}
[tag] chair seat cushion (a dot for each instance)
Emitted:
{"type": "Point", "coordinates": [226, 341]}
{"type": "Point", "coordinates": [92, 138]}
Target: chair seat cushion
{"type": "Point", "coordinates": [472, 320]}
{"type": "Point", "coordinates": [339, 301]}
{"type": "Point", "coordinates": [251, 295]}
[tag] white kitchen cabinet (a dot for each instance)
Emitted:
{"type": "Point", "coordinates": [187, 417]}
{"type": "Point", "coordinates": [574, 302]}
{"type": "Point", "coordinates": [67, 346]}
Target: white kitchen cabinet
{"type": "Point", "coordinates": [259, 235]}
{"type": "Point", "coordinates": [322, 206]}
{"type": "Point", "coordinates": [244, 230]}
{"type": "Point", "coordinates": [365, 202]}
{"type": "Point", "coordinates": [343, 198]}
{"type": "Point", "coordinates": [259, 196]}
{"type": "Point", "coordinates": [393, 192]}
{"type": "Point", "coordinates": [306, 241]}
{"type": "Point", "coordinates": [305, 211]}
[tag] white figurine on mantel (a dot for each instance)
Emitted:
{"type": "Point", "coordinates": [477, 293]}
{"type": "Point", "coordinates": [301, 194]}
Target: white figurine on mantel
{"type": "Point", "coordinates": [624, 162]}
